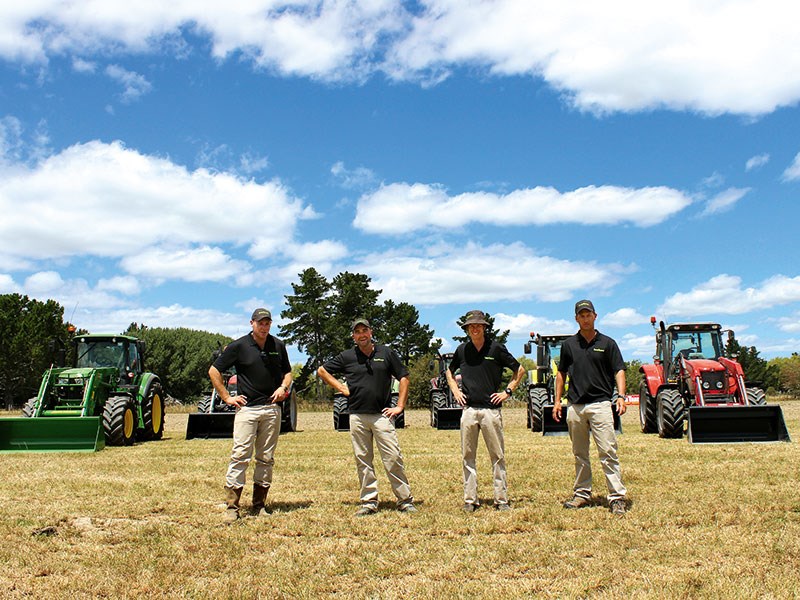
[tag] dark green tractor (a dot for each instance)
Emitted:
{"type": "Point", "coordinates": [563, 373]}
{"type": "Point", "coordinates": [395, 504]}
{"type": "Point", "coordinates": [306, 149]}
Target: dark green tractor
{"type": "Point", "coordinates": [107, 397]}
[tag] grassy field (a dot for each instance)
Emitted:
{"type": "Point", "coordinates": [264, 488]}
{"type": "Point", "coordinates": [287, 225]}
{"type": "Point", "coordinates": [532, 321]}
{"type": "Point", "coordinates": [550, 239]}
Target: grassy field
{"type": "Point", "coordinates": [716, 521]}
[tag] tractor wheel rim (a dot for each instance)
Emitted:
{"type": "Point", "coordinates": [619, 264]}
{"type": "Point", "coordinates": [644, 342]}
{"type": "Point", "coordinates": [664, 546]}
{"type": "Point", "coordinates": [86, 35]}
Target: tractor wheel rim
{"type": "Point", "coordinates": [157, 414]}
{"type": "Point", "coordinates": [128, 424]}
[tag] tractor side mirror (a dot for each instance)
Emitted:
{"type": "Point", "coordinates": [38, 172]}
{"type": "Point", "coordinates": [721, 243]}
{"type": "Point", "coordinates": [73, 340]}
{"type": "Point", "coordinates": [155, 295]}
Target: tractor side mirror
{"type": "Point", "coordinates": [527, 348]}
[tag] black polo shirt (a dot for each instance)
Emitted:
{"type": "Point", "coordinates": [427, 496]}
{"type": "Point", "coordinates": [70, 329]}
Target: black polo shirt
{"type": "Point", "coordinates": [482, 371]}
{"type": "Point", "coordinates": [591, 367]}
{"type": "Point", "coordinates": [259, 373]}
{"type": "Point", "coordinates": [369, 378]}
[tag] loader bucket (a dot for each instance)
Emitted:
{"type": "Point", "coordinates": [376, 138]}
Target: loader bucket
{"type": "Point", "coordinates": [210, 425]}
{"type": "Point", "coordinates": [51, 434]}
{"type": "Point", "coordinates": [447, 418]}
{"type": "Point", "coordinates": [731, 424]}
{"type": "Point", "coordinates": [552, 427]}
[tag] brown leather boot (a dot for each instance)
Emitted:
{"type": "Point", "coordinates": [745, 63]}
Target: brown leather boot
{"type": "Point", "coordinates": [232, 498]}
{"type": "Point", "coordinates": [259, 500]}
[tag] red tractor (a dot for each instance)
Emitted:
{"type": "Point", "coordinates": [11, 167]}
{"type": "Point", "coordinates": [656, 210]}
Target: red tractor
{"type": "Point", "coordinates": [691, 381]}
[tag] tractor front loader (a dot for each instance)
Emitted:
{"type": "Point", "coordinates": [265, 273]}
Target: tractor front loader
{"type": "Point", "coordinates": [693, 385]}
{"type": "Point", "coordinates": [106, 398]}
{"type": "Point", "coordinates": [542, 387]}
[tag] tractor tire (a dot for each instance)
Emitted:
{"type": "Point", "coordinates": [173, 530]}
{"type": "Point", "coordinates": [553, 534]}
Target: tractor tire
{"type": "Point", "coordinates": [756, 397]}
{"type": "Point", "coordinates": [438, 400]}
{"type": "Point", "coordinates": [399, 420]}
{"type": "Point", "coordinates": [670, 414]}
{"type": "Point", "coordinates": [537, 398]}
{"type": "Point", "coordinates": [647, 411]}
{"type": "Point", "coordinates": [119, 421]}
{"type": "Point", "coordinates": [289, 413]}
{"type": "Point", "coordinates": [152, 413]}
{"type": "Point", "coordinates": [339, 410]}
{"type": "Point", "coordinates": [29, 408]}
{"type": "Point", "coordinates": [204, 404]}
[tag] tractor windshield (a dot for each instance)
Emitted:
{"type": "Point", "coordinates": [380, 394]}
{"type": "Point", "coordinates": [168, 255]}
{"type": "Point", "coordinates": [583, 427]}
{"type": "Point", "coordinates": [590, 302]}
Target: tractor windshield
{"type": "Point", "coordinates": [696, 344]}
{"type": "Point", "coordinates": [555, 351]}
{"type": "Point", "coordinates": [101, 353]}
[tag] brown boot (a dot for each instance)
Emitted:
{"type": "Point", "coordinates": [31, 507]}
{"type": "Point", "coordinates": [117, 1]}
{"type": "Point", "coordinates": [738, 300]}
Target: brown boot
{"type": "Point", "coordinates": [259, 500]}
{"type": "Point", "coordinates": [232, 498]}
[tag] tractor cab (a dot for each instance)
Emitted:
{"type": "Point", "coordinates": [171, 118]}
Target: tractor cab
{"type": "Point", "coordinates": [683, 342]}
{"type": "Point", "coordinates": [120, 352]}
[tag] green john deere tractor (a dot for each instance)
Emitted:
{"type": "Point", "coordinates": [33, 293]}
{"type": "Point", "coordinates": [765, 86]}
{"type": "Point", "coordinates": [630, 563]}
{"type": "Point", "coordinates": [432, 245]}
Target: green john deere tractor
{"type": "Point", "coordinates": [105, 398]}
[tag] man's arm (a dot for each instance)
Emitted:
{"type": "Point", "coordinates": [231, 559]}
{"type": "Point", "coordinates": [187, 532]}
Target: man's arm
{"type": "Point", "coordinates": [219, 385]}
{"type": "Point", "coordinates": [402, 398]}
{"type": "Point", "coordinates": [619, 377]}
{"type": "Point", "coordinates": [453, 385]}
{"type": "Point", "coordinates": [559, 392]}
{"type": "Point", "coordinates": [337, 385]}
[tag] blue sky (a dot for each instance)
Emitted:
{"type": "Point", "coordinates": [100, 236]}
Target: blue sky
{"type": "Point", "coordinates": [178, 165]}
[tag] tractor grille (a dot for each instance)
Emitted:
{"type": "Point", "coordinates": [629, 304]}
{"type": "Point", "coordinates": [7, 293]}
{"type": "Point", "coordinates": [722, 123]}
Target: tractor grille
{"type": "Point", "coordinates": [713, 382]}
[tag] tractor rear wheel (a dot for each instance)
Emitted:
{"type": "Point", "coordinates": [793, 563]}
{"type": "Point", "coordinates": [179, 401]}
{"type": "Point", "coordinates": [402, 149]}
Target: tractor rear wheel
{"type": "Point", "coordinates": [647, 410]}
{"type": "Point", "coordinates": [537, 398]}
{"type": "Point", "coordinates": [29, 408]}
{"type": "Point", "coordinates": [756, 397]}
{"type": "Point", "coordinates": [203, 404]}
{"type": "Point", "coordinates": [339, 410]}
{"type": "Point", "coordinates": [670, 414]}
{"type": "Point", "coordinates": [119, 421]}
{"type": "Point", "coordinates": [438, 400]}
{"type": "Point", "coordinates": [153, 413]}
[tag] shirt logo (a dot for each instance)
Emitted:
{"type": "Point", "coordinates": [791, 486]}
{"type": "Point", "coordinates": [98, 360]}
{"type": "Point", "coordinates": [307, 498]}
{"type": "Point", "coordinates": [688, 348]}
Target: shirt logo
{"type": "Point", "coordinates": [490, 358]}
{"type": "Point", "coordinates": [599, 349]}
{"type": "Point", "coordinates": [378, 360]}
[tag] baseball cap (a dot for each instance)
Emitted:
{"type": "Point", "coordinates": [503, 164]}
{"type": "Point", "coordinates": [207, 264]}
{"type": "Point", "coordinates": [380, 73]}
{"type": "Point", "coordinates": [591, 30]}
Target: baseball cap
{"type": "Point", "coordinates": [261, 313]}
{"type": "Point", "coordinates": [358, 322]}
{"type": "Point", "coordinates": [584, 305]}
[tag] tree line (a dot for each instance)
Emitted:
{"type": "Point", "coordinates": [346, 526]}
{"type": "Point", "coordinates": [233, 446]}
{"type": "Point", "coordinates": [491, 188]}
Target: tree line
{"type": "Point", "coordinates": [317, 321]}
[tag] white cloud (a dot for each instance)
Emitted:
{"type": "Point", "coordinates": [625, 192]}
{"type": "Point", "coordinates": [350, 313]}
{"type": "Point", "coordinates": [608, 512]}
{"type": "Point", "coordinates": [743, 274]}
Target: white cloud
{"type": "Point", "coordinates": [724, 294]}
{"type": "Point", "coordinates": [127, 285]}
{"type": "Point", "coordinates": [792, 172]}
{"type": "Point", "coordinates": [134, 85]}
{"type": "Point", "coordinates": [70, 293]}
{"type": "Point", "coordinates": [83, 201]}
{"type": "Point", "coordinates": [623, 317]}
{"type": "Point", "coordinates": [83, 66]}
{"type": "Point", "coordinates": [756, 162]}
{"type": "Point", "coordinates": [521, 325]}
{"type": "Point", "coordinates": [789, 324]}
{"type": "Point", "coordinates": [474, 273]}
{"type": "Point", "coordinates": [189, 264]}
{"type": "Point", "coordinates": [724, 201]}
{"type": "Point", "coordinates": [8, 285]}
{"type": "Point", "coordinates": [400, 208]}
{"type": "Point", "coordinates": [358, 178]}
{"type": "Point", "coordinates": [620, 56]}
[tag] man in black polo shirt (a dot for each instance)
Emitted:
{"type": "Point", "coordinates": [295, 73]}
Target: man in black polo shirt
{"type": "Point", "coordinates": [482, 362]}
{"type": "Point", "coordinates": [368, 369]}
{"type": "Point", "coordinates": [594, 364]}
{"type": "Point", "coordinates": [264, 376]}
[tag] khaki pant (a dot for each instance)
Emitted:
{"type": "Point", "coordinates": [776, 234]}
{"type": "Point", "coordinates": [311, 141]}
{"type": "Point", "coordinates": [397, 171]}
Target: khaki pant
{"type": "Point", "coordinates": [597, 419]}
{"type": "Point", "coordinates": [255, 428]}
{"type": "Point", "coordinates": [363, 430]}
{"type": "Point", "coordinates": [489, 422]}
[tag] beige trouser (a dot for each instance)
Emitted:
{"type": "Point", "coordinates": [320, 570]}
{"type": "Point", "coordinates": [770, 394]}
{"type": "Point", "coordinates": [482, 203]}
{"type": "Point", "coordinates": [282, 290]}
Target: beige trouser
{"type": "Point", "coordinates": [363, 429]}
{"type": "Point", "coordinates": [255, 428]}
{"type": "Point", "coordinates": [598, 419]}
{"type": "Point", "coordinates": [489, 422]}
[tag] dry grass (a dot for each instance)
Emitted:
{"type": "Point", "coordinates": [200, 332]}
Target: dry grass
{"type": "Point", "coordinates": [718, 521]}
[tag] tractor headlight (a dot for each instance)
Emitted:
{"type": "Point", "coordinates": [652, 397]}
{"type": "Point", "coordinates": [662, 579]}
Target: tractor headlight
{"type": "Point", "coordinates": [79, 380]}
{"type": "Point", "coordinates": [705, 385]}
{"type": "Point", "coordinates": [719, 385]}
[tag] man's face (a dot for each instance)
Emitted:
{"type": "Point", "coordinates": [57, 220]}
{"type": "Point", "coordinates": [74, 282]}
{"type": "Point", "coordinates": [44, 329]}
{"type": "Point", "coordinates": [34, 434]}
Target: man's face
{"type": "Point", "coordinates": [475, 331]}
{"type": "Point", "coordinates": [362, 335]}
{"type": "Point", "coordinates": [261, 328]}
{"type": "Point", "coordinates": [585, 319]}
